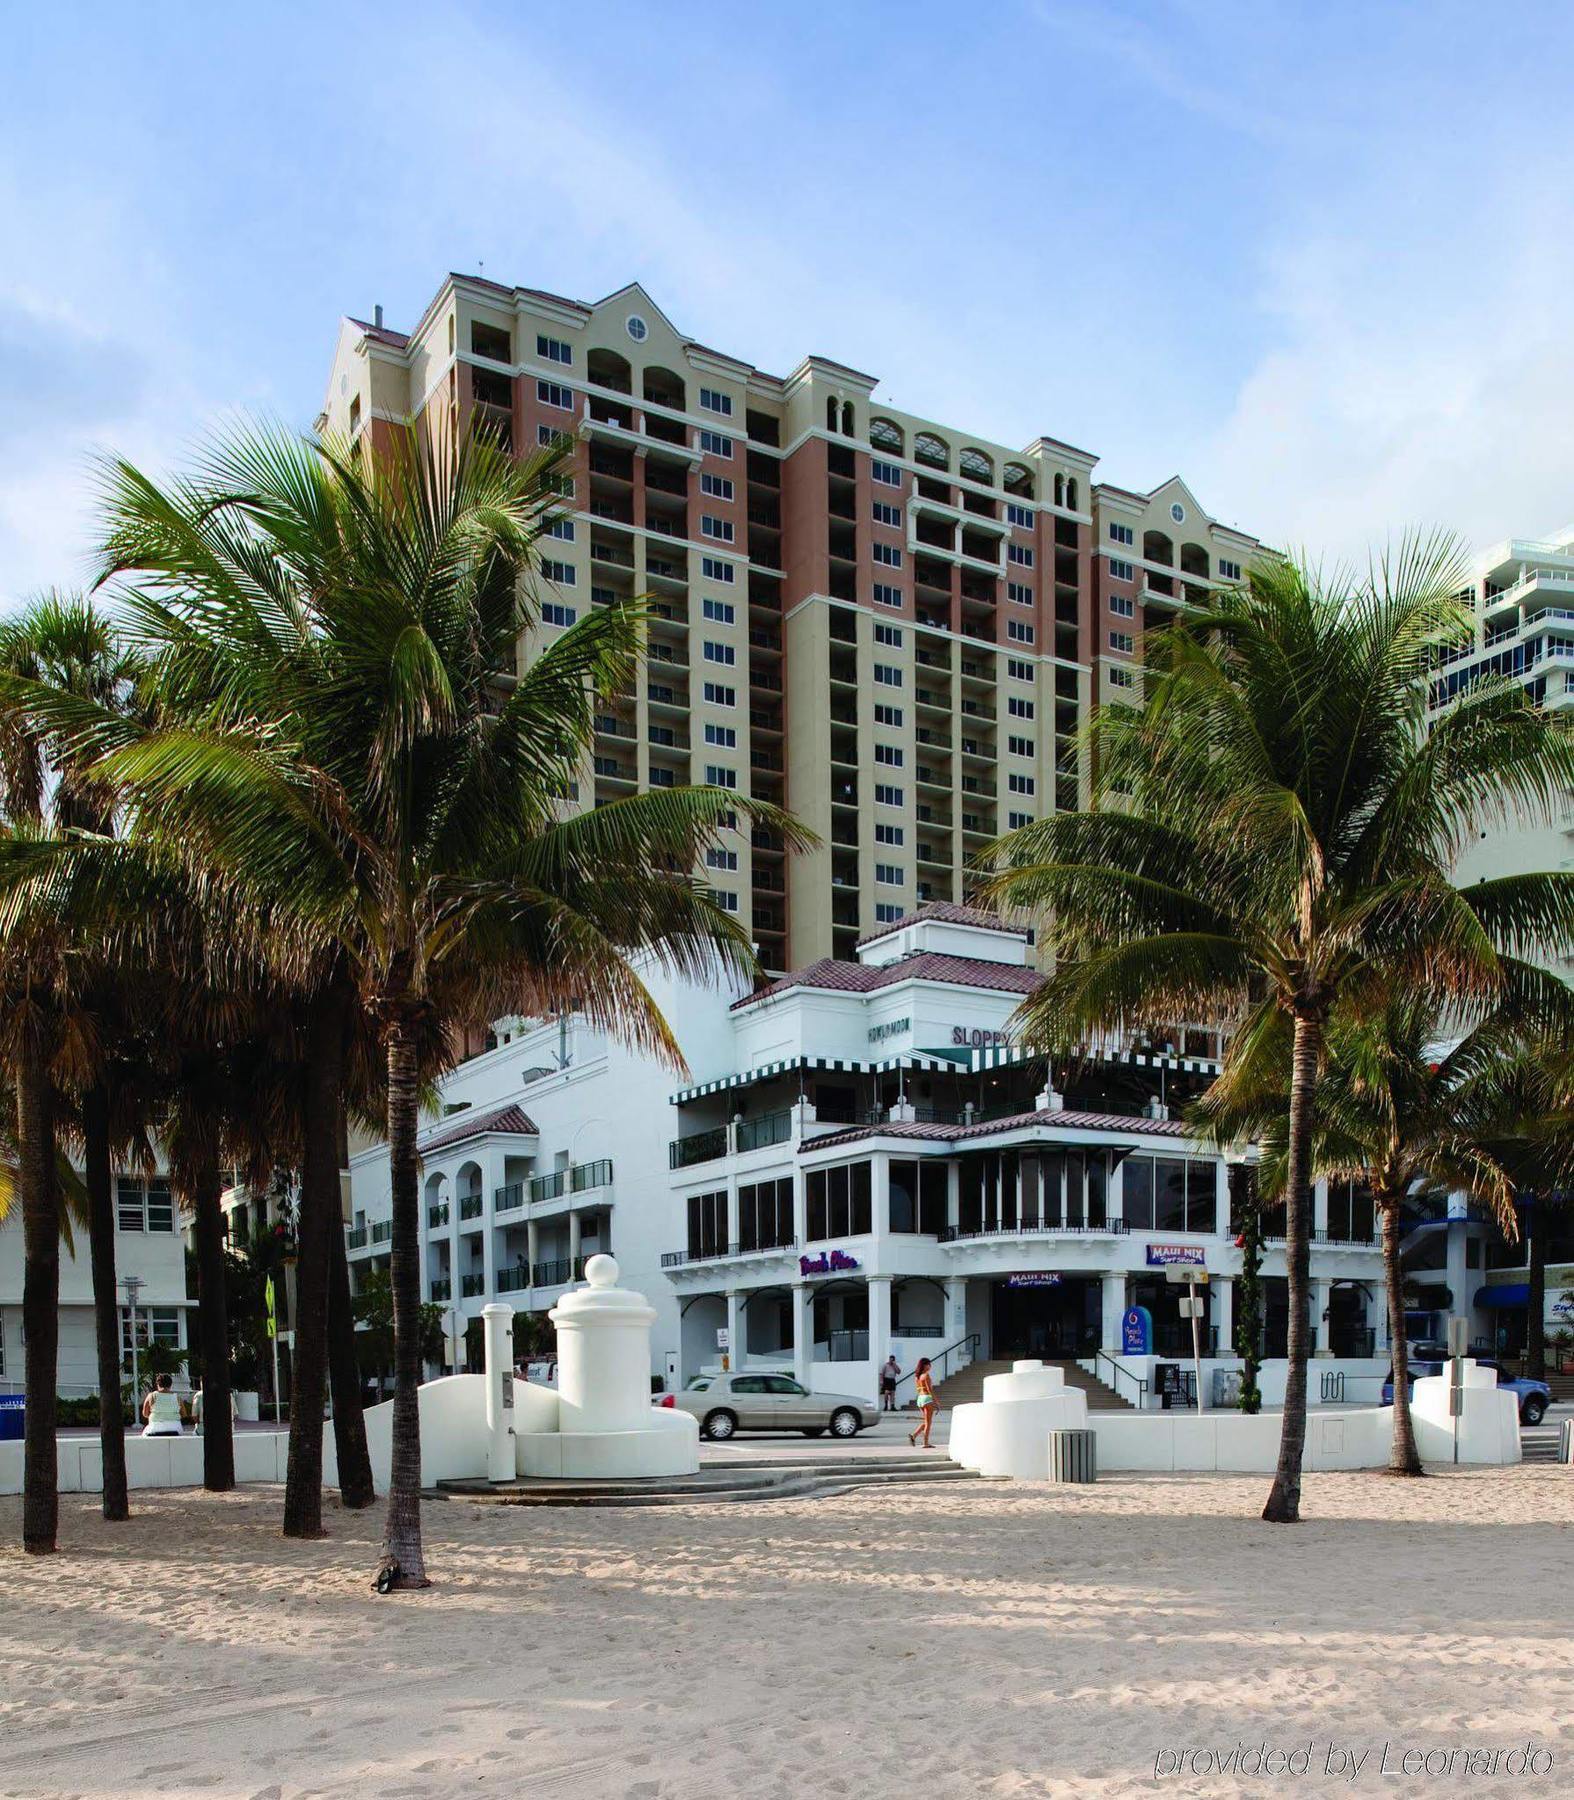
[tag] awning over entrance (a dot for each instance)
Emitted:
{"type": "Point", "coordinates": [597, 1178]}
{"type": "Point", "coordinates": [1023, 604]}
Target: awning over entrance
{"type": "Point", "coordinates": [828, 1065]}
{"type": "Point", "coordinates": [1505, 1293]}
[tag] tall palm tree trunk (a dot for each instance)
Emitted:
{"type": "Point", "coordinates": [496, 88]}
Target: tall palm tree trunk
{"type": "Point", "coordinates": [1284, 1498]}
{"type": "Point", "coordinates": [404, 1563]}
{"type": "Point", "coordinates": [1403, 1457]}
{"type": "Point", "coordinates": [1535, 1217]}
{"type": "Point", "coordinates": [218, 1430]}
{"type": "Point", "coordinates": [106, 1304]}
{"type": "Point", "coordinates": [35, 1131]}
{"type": "Point", "coordinates": [344, 1379]}
{"type": "Point", "coordinates": [316, 1222]}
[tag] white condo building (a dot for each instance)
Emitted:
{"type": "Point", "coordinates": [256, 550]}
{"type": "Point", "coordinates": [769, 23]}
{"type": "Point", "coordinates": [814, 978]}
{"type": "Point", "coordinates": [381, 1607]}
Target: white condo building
{"type": "Point", "coordinates": [149, 1246]}
{"type": "Point", "coordinates": [860, 1163]}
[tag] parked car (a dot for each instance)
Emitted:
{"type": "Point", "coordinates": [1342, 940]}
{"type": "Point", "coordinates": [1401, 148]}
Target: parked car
{"type": "Point", "coordinates": [725, 1404]}
{"type": "Point", "coordinates": [1534, 1397]}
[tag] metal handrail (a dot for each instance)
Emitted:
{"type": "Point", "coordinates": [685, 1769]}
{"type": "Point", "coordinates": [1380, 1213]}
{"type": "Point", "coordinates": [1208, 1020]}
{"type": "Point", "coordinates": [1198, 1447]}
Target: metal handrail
{"type": "Point", "coordinates": [940, 1363]}
{"type": "Point", "coordinates": [953, 1234]}
{"type": "Point", "coordinates": [1121, 1373]}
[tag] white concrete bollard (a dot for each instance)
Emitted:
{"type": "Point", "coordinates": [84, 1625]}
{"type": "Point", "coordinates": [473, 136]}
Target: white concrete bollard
{"type": "Point", "coordinates": [603, 1354]}
{"type": "Point", "coordinates": [498, 1327]}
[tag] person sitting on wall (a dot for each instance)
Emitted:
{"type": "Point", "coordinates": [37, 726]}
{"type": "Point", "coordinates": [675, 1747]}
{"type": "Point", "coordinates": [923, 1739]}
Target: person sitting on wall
{"type": "Point", "coordinates": [162, 1411]}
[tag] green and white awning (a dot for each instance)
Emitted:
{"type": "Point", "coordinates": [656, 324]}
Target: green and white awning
{"type": "Point", "coordinates": [1007, 1056]}
{"type": "Point", "coordinates": [826, 1065]}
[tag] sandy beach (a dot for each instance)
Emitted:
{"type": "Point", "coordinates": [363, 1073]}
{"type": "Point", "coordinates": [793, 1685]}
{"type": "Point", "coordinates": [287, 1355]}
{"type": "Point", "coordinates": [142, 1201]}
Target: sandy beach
{"type": "Point", "coordinates": [968, 1639]}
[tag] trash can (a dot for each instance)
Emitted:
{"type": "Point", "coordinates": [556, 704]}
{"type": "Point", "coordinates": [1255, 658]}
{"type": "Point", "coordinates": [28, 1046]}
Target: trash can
{"type": "Point", "coordinates": [13, 1418]}
{"type": "Point", "coordinates": [1226, 1387]}
{"type": "Point", "coordinates": [1073, 1456]}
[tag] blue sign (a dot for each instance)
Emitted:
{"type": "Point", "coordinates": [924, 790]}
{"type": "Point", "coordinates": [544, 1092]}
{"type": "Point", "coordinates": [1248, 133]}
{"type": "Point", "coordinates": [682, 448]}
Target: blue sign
{"type": "Point", "coordinates": [1136, 1332]}
{"type": "Point", "coordinates": [1160, 1256]}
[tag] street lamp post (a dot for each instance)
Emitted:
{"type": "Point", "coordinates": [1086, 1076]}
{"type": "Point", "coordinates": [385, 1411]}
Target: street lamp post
{"type": "Point", "coordinates": [133, 1286]}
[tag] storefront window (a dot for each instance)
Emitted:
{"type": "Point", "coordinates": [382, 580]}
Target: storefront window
{"type": "Point", "coordinates": [765, 1214]}
{"type": "Point", "coordinates": [1170, 1193]}
{"type": "Point", "coordinates": [708, 1224]}
{"type": "Point", "coordinates": [1350, 1212]}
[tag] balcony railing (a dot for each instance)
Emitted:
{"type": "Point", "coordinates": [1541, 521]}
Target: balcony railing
{"type": "Point", "coordinates": [554, 1274]}
{"type": "Point", "coordinates": [382, 1231]}
{"type": "Point", "coordinates": [759, 1134]}
{"type": "Point", "coordinates": [589, 1175]}
{"type": "Point", "coordinates": [355, 1238]}
{"type": "Point", "coordinates": [508, 1198]}
{"type": "Point", "coordinates": [471, 1285]}
{"type": "Point", "coordinates": [437, 1215]}
{"type": "Point", "coordinates": [703, 1146]}
{"type": "Point", "coordinates": [955, 1234]}
{"type": "Point", "coordinates": [470, 1206]}
{"type": "Point", "coordinates": [678, 1259]}
{"type": "Point", "coordinates": [442, 1288]}
{"type": "Point", "coordinates": [513, 1281]}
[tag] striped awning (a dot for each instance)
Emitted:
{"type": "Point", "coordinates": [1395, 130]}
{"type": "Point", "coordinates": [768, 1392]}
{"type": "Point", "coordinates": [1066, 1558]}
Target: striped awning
{"type": "Point", "coordinates": [827, 1065]}
{"type": "Point", "coordinates": [1007, 1056]}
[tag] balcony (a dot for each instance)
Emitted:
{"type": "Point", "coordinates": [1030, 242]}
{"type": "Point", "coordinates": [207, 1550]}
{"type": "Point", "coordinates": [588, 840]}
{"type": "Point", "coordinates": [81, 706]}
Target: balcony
{"type": "Point", "coordinates": [354, 1238]}
{"type": "Point", "coordinates": [679, 1259]}
{"type": "Point", "coordinates": [382, 1232]}
{"type": "Point", "coordinates": [470, 1206]}
{"type": "Point", "coordinates": [556, 1274]}
{"type": "Point", "coordinates": [703, 1146]}
{"type": "Point", "coordinates": [586, 1176]}
{"type": "Point", "coordinates": [442, 1288]}
{"type": "Point", "coordinates": [758, 1134]}
{"type": "Point", "coordinates": [437, 1215]}
{"type": "Point", "coordinates": [471, 1285]}
{"type": "Point", "coordinates": [1043, 1227]}
{"type": "Point", "coordinates": [508, 1198]}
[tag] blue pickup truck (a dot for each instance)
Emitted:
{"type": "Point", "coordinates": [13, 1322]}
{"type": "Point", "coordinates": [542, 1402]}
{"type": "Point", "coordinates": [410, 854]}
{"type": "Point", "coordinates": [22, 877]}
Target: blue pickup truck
{"type": "Point", "coordinates": [1534, 1396]}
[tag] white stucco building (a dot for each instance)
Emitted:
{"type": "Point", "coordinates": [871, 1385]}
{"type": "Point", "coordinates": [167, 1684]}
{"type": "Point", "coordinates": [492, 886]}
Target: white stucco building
{"type": "Point", "coordinates": [148, 1245]}
{"type": "Point", "coordinates": [860, 1162]}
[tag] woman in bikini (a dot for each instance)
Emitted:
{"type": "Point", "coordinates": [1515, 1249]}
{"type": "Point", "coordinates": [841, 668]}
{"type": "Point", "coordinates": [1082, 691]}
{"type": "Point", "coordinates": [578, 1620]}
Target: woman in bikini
{"type": "Point", "coordinates": [924, 1398]}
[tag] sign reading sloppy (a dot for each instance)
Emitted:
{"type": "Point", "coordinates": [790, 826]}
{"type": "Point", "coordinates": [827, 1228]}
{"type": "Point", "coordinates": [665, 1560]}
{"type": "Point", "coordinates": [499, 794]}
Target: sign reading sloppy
{"type": "Point", "coordinates": [976, 1036]}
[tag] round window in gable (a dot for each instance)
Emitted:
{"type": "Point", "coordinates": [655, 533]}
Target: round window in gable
{"type": "Point", "coordinates": [1178, 513]}
{"type": "Point", "coordinates": [637, 328]}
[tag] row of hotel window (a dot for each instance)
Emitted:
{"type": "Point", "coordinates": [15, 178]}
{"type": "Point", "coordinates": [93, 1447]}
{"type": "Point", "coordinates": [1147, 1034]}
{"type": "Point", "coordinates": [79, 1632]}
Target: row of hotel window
{"type": "Point", "coordinates": [1008, 1191]}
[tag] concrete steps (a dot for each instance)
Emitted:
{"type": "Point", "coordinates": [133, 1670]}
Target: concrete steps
{"type": "Point", "coordinates": [967, 1385]}
{"type": "Point", "coordinates": [775, 1479]}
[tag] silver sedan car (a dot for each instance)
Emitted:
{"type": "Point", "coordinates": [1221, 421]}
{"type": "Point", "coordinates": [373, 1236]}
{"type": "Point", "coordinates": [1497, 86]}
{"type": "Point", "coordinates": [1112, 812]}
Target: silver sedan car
{"type": "Point", "coordinates": [727, 1404]}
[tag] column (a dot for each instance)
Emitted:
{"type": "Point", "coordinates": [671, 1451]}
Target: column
{"type": "Point", "coordinates": [488, 1238]}
{"type": "Point", "coordinates": [1223, 1309]}
{"type": "Point", "coordinates": [498, 1337]}
{"type": "Point", "coordinates": [1319, 1221]}
{"type": "Point", "coordinates": [532, 1247]}
{"type": "Point", "coordinates": [1317, 1305]}
{"type": "Point", "coordinates": [573, 1245]}
{"type": "Point", "coordinates": [879, 1197]}
{"type": "Point", "coordinates": [955, 1309]}
{"type": "Point", "coordinates": [734, 1234]}
{"type": "Point", "coordinates": [1113, 1311]}
{"type": "Point", "coordinates": [735, 1320]}
{"type": "Point", "coordinates": [802, 1330]}
{"type": "Point", "coordinates": [879, 1319]}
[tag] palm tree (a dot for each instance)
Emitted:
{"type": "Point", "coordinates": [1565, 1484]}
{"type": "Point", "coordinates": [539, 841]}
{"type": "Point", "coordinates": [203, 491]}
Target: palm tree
{"type": "Point", "coordinates": [1413, 1100]}
{"type": "Point", "coordinates": [346, 737]}
{"type": "Point", "coordinates": [65, 641]}
{"type": "Point", "coordinates": [1274, 830]}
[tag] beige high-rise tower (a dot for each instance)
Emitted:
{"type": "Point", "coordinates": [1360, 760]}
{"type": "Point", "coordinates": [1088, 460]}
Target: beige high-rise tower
{"type": "Point", "coordinates": [894, 628]}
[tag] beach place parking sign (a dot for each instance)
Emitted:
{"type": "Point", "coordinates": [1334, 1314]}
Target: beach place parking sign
{"type": "Point", "coordinates": [1164, 1256]}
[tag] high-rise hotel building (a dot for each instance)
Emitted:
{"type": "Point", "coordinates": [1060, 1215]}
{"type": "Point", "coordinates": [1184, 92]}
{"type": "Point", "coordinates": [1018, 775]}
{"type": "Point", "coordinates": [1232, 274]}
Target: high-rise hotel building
{"type": "Point", "coordinates": [894, 628]}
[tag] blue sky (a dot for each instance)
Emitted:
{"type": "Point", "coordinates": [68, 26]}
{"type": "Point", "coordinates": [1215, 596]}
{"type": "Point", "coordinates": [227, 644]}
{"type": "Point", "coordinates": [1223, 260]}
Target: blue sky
{"type": "Point", "coordinates": [1314, 258]}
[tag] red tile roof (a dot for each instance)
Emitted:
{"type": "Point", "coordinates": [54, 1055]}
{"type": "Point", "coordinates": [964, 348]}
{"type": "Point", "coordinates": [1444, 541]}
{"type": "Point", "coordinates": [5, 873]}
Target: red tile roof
{"type": "Point", "coordinates": [928, 965]}
{"type": "Point", "coordinates": [945, 912]}
{"type": "Point", "coordinates": [396, 340]}
{"type": "Point", "coordinates": [509, 1120]}
{"type": "Point", "coordinates": [1122, 1124]}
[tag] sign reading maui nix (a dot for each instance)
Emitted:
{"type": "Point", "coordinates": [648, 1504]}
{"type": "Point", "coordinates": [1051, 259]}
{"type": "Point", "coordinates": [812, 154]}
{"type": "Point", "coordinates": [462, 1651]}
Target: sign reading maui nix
{"type": "Point", "coordinates": [1160, 1256]}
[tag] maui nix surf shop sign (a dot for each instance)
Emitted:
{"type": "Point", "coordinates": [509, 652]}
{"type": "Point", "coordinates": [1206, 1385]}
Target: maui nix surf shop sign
{"type": "Point", "coordinates": [828, 1262]}
{"type": "Point", "coordinates": [1034, 1278]}
{"type": "Point", "coordinates": [1164, 1256]}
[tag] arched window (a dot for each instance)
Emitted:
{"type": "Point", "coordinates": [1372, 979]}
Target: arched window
{"type": "Point", "coordinates": [1060, 490]}
{"type": "Point", "coordinates": [847, 418]}
{"type": "Point", "coordinates": [927, 448]}
{"type": "Point", "coordinates": [1018, 480]}
{"type": "Point", "coordinates": [1071, 492]}
{"type": "Point", "coordinates": [977, 467]}
{"type": "Point", "coordinates": [664, 388]}
{"type": "Point", "coordinates": [886, 434]}
{"type": "Point", "coordinates": [830, 413]}
{"type": "Point", "coordinates": [609, 370]}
